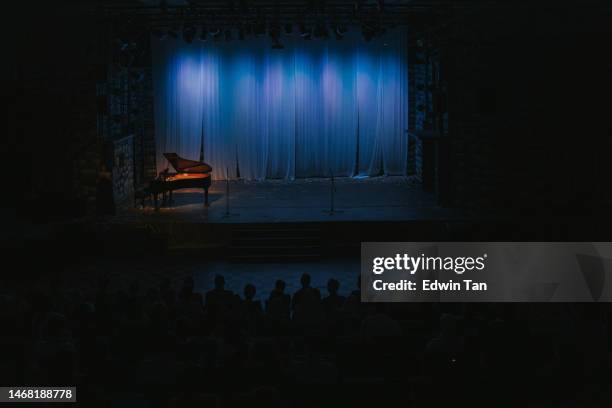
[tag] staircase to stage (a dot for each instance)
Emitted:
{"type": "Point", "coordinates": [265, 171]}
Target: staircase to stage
{"type": "Point", "coordinates": [274, 242]}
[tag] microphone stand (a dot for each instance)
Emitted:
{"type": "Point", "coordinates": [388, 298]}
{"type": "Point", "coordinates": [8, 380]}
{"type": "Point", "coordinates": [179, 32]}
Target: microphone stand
{"type": "Point", "coordinates": [227, 196]}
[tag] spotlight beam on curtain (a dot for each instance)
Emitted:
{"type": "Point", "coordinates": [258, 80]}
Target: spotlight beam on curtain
{"type": "Point", "coordinates": [312, 108]}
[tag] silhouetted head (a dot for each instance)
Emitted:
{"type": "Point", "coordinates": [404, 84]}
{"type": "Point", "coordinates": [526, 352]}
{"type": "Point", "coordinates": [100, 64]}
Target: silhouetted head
{"type": "Point", "coordinates": [332, 286]}
{"type": "Point", "coordinates": [305, 280]}
{"type": "Point", "coordinates": [280, 285]}
{"type": "Point", "coordinates": [219, 282]}
{"type": "Point", "coordinates": [249, 291]}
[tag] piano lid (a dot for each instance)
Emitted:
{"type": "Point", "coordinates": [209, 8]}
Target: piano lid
{"type": "Point", "coordinates": [185, 165]}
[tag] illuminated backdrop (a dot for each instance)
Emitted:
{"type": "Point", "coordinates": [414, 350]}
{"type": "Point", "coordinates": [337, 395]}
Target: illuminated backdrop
{"type": "Point", "coordinates": [302, 111]}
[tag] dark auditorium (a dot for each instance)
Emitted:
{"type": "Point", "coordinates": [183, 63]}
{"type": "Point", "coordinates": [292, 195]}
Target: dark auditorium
{"type": "Point", "coordinates": [309, 203]}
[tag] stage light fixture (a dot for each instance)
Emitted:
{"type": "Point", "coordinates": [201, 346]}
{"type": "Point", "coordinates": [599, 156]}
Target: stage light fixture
{"type": "Point", "coordinates": [304, 32]}
{"type": "Point", "coordinates": [367, 32]}
{"type": "Point", "coordinates": [203, 34]}
{"type": "Point", "coordinates": [189, 33]}
{"type": "Point", "coordinates": [172, 33]}
{"type": "Point", "coordinates": [275, 36]}
{"type": "Point", "coordinates": [321, 31]}
{"type": "Point", "coordinates": [274, 29]}
{"type": "Point", "coordinates": [340, 32]}
{"type": "Point", "coordinates": [216, 34]}
{"type": "Point", "coordinates": [277, 45]}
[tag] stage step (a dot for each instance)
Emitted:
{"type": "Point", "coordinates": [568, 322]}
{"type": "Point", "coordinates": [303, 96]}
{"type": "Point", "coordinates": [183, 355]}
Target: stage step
{"type": "Point", "coordinates": [278, 258]}
{"type": "Point", "coordinates": [271, 232]}
{"type": "Point", "coordinates": [271, 242]}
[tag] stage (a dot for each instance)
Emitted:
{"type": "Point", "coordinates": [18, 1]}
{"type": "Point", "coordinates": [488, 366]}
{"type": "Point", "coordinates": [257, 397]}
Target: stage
{"type": "Point", "coordinates": [288, 220]}
{"type": "Point", "coordinates": [298, 201]}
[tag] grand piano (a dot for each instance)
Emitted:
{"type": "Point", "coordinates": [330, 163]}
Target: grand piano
{"type": "Point", "coordinates": [189, 174]}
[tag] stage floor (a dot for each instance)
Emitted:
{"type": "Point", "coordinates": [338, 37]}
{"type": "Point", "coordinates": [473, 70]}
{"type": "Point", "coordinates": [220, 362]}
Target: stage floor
{"type": "Point", "coordinates": [304, 200]}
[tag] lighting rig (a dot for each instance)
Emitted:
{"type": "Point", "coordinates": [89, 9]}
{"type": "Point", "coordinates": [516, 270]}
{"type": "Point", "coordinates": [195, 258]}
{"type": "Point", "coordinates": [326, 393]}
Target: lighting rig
{"type": "Point", "coordinates": [239, 20]}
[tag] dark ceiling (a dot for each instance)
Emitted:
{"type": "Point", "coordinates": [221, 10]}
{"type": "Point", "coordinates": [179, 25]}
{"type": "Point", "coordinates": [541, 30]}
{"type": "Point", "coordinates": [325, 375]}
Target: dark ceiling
{"type": "Point", "coordinates": [156, 12]}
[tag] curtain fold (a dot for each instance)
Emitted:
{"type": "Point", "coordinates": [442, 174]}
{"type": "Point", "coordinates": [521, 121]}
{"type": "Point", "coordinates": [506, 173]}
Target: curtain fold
{"type": "Point", "coordinates": [308, 110]}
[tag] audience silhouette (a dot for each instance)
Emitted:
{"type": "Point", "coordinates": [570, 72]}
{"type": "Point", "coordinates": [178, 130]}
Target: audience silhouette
{"type": "Point", "coordinates": [226, 350]}
{"type": "Point", "coordinates": [334, 302]}
{"type": "Point", "coordinates": [279, 303]}
{"type": "Point", "coordinates": [305, 295]}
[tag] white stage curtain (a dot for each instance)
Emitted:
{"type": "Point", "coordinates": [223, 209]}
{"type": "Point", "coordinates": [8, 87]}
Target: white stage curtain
{"type": "Point", "coordinates": [310, 109]}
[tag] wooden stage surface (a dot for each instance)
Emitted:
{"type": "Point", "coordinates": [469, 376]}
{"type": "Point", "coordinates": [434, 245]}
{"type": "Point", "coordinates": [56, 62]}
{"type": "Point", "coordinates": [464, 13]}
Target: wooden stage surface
{"type": "Point", "coordinates": [305, 200]}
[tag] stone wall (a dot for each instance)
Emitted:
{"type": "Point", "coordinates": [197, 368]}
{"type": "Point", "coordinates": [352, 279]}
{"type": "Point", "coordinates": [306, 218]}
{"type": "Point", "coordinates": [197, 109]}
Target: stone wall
{"type": "Point", "coordinates": [123, 172]}
{"type": "Point", "coordinates": [129, 91]}
{"type": "Point", "coordinates": [422, 105]}
{"type": "Point", "coordinates": [144, 129]}
{"type": "Point", "coordinates": [426, 109]}
{"type": "Point", "coordinates": [128, 120]}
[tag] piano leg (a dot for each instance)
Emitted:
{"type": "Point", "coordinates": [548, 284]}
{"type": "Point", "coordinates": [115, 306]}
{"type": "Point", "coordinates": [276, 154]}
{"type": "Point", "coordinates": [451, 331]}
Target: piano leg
{"type": "Point", "coordinates": [205, 196]}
